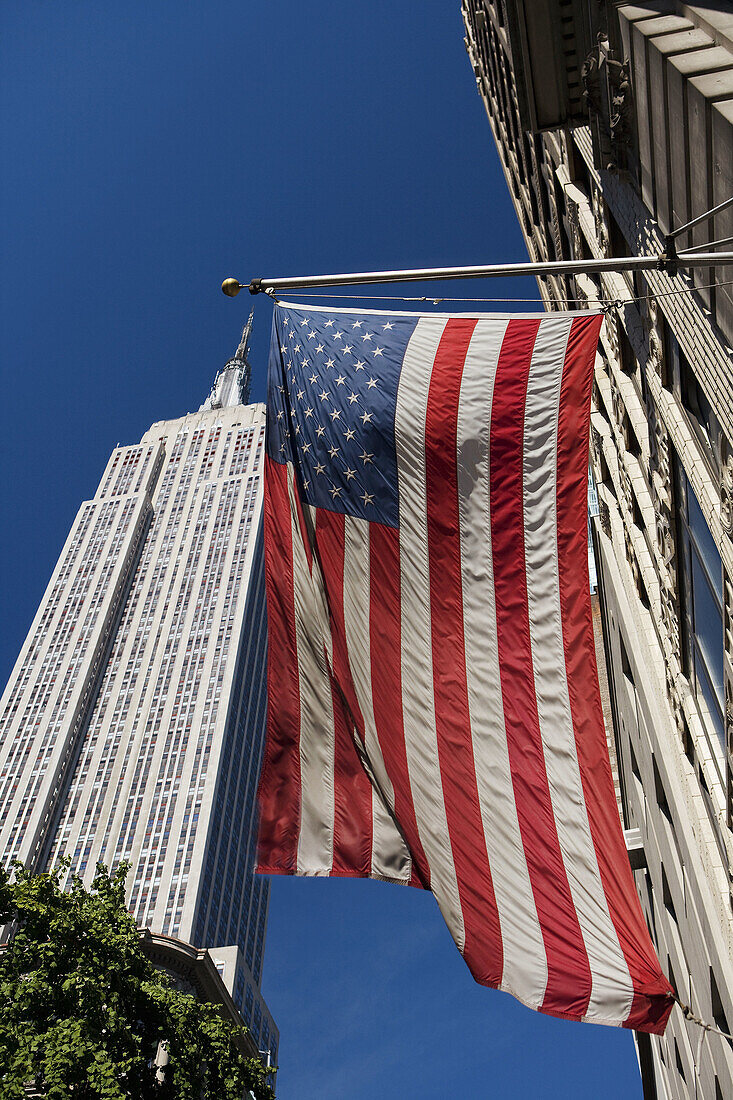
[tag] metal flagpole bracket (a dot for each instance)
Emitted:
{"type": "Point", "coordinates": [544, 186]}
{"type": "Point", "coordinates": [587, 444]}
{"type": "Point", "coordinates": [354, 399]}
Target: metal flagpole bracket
{"type": "Point", "coordinates": [669, 260]}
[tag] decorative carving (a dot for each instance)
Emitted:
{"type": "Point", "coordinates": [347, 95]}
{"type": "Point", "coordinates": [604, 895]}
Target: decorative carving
{"type": "Point", "coordinates": [599, 220]}
{"type": "Point", "coordinates": [574, 230]}
{"type": "Point", "coordinates": [726, 489]}
{"type": "Point", "coordinates": [605, 517]}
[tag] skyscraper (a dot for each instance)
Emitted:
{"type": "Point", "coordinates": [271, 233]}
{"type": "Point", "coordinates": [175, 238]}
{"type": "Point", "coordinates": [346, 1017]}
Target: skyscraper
{"type": "Point", "coordinates": [614, 125]}
{"type": "Point", "coordinates": [132, 725]}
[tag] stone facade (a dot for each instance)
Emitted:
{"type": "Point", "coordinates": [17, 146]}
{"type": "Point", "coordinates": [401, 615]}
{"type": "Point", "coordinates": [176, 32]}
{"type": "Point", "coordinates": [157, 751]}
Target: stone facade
{"type": "Point", "coordinates": [652, 150]}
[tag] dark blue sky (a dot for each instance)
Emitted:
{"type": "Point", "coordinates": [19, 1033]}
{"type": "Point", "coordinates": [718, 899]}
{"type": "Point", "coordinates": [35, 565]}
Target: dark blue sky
{"type": "Point", "coordinates": [149, 150]}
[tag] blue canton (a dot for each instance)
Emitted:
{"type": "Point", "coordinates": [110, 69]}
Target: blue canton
{"type": "Point", "coordinates": [331, 401]}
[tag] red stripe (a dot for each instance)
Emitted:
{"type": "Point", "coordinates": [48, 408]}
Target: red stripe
{"type": "Point", "coordinates": [352, 838]}
{"type": "Point", "coordinates": [352, 827]}
{"type": "Point", "coordinates": [279, 787]}
{"type": "Point", "coordinates": [569, 979]}
{"type": "Point", "coordinates": [651, 1005]}
{"type": "Point", "coordinates": [483, 946]}
{"type": "Point", "coordinates": [385, 643]}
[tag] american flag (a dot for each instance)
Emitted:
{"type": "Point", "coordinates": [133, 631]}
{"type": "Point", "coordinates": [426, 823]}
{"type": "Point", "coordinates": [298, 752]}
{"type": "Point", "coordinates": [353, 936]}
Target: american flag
{"type": "Point", "coordinates": [434, 711]}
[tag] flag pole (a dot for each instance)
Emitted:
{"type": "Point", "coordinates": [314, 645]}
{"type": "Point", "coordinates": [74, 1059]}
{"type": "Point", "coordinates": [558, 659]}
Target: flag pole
{"type": "Point", "coordinates": [669, 261]}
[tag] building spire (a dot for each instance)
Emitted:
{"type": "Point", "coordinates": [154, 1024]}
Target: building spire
{"type": "Point", "coordinates": [231, 385]}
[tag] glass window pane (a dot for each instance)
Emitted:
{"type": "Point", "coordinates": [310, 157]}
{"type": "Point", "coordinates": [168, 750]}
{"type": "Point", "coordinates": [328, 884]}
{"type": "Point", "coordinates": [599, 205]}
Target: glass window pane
{"type": "Point", "coordinates": [708, 625]}
{"type": "Point", "coordinates": [713, 702]}
{"type": "Point", "coordinates": [704, 542]}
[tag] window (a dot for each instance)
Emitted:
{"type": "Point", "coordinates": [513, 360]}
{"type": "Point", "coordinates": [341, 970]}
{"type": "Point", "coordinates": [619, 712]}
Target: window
{"type": "Point", "coordinates": [702, 608]}
{"type": "Point", "coordinates": [700, 415]}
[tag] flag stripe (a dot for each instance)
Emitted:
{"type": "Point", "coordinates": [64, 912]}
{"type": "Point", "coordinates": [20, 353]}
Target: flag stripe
{"type": "Point", "coordinates": [352, 833]}
{"type": "Point", "coordinates": [525, 966]}
{"type": "Point", "coordinates": [390, 856]}
{"type": "Point", "coordinates": [279, 787]}
{"type": "Point", "coordinates": [385, 639]}
{"type": "Point", "coordinates": [417, 659]}
{"type": "Point", "coordinates": [566, 955]}
{"type": "Point", "coordinates": [317, 730]}
{"type": "Point", "coordinates": [482, 948]}
{"type": "Point", "coordinates": [649, 1008]}
{"type": "Point", "coordinates": [607, 990]}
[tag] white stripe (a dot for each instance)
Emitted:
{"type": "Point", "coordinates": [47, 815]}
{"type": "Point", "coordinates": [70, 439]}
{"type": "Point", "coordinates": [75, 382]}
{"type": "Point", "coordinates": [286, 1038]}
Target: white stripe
{"type": "Point", "coordinates": [418, 700]}
{"type": "Point", "coordinates": [390, 856]}
{"type": "Point", "coordinates": [525, 961]}
{"type": "Point", "coordinates": [317, 733]}
{"type": "Point", "coordinates": [612, 990]}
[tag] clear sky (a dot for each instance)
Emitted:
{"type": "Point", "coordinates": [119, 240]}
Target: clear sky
{"type": "Point", "coordinates": [149, 150]}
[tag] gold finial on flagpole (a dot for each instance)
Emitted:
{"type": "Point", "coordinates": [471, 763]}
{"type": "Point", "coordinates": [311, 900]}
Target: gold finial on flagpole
{"type": "Point", "coordinates": [231, 287]}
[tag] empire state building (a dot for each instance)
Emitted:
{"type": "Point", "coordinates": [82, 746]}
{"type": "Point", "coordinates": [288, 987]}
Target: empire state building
{"type": "Point", "coordinates": [132, 725]}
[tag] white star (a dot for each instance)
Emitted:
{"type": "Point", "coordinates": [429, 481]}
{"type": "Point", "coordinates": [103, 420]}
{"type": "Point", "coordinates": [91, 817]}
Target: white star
{"type": "Point", "coordinates": [284, 349]}
{"type": "Point", "coordinates": [367, 498]}
{"type": "Point", "coordinates": [312, 336]}
{"type": "Point", "coordinates": [292, 379]}
{"type": "Point", "coordinates": [292, 413]}
{"type": "Point", "coordinates": [304, 322]}
{"type": "Point", "coordinates": [297, 348]}
{"type": "Point", "coordinates": [319, 347]}
{"type": "Point", "coordinates": [280, 415]}
{"type": "Point", "coordinates": [282, 446]}
{"type": "Point", "coordinates": [336, 414]}
{"type": "Point", "coordinates": [378, 351]}
{"type": "Point", "coordinates": [320, 468]}
{"type": "Point", "coordinates": [371, 383]}
{"type": "Point", "coordinates": [330, 363]}
{"type": "Point", "coordinates": [358, 365]}
{"type": "Point", "coordinates": [341, 380]}
{"type": "Point", "coordinates": [281, 389]}
{"type": "Point", "coordinates": [388, 325]}
{"type": "Point", "coordinates": [346, 349]}
{"type": "Point", "coordinates": [301, 395]}
{"type": "Point", "coordinates": [323, 395]}
{"type": "Point", "coordinates": [335, 492]}
{"type": "Point", "coordinates": [365, 457]}
{"type": "Point", "coordinates": [306, 484]}
{"type": "Point", "coordinates": [349, 434]}
{"type": "Point", "coordinates": [333, 451]}
{"type": "Point", "coordinates": [328, 324]}
{"type": "Point", "coordinates": [320, 430]}
{"type": "Point", "coordinates": [338, 335]}
{"type": "Point", "coordinates": [366, 418]}
{"type": "Point", "coordinates": [357, 324]}
{"type": "Point", "coordinates": [291, 334]}
{"type": "Point", "coordinates": [352, 398]}
{"type": "Point", "coordinates": [349, 473]}
{"type": "Point", "coordinates": [367, 336]}
{"type": "Point", "coordinates": [313, 378]}
{"type": "Point", "coordinates": [309, 412]}
{"type": "Point", "coordinates": [305, 448]}
{"type": "Point", "coordinates": [305, 363]}
{"type": "Point", "coordinates": [297, 429]}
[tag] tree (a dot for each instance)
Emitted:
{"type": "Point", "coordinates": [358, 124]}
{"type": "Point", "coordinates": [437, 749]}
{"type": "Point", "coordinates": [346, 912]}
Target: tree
{"type": "Point", "coordinates": [83, 1011]}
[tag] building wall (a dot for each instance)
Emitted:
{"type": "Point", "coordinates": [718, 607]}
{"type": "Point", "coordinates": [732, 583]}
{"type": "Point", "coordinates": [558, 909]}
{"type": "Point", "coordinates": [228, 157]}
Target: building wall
{"type": "Point", "coordinates": [653, 149]}
{"type": "Point", "coordinates": [132, 725]}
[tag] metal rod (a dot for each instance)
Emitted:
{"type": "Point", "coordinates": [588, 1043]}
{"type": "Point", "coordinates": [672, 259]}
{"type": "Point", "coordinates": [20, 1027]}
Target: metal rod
{"type": "Point", "coordinates": [707, 245]}
{"type": "Point", "coordinates": [662, 262]}
{"type": "Point", "coordinates": [702, 218]}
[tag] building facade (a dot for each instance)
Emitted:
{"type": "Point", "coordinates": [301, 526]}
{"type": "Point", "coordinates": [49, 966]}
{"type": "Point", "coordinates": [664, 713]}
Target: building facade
{"type": "Point", "coordinates": [132, 726]}
{"type": "Point", "coordinates": [614, 124]}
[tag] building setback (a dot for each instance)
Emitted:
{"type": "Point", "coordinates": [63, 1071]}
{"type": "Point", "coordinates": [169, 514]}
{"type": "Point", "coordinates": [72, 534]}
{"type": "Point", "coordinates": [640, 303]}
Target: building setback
{"type": "Point", "coordinates": [131, 728]}
{"type": "Point", "coordinates": [614, 124]}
